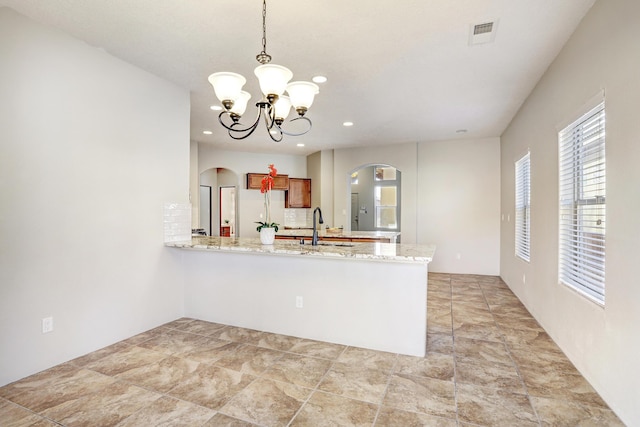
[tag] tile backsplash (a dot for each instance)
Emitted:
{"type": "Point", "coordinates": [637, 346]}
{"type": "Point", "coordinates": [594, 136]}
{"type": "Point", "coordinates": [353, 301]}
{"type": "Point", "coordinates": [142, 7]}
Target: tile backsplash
{"type": "Point", "coordinates": [298, 218]}
{"type": "Point", "coordinates": [177, 221]}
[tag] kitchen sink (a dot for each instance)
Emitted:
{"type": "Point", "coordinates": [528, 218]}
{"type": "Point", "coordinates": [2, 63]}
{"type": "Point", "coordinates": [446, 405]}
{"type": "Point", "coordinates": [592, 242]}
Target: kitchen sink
{"type": "Point", "coordinates": [344, 245]}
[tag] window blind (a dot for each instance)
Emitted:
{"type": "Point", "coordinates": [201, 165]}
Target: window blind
{"type": "Point", "coordinates": [582, 182]}
{"type": "Point", "coordinates": [523, 207]}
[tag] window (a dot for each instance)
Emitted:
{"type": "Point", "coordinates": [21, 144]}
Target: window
{"type": "Point", "coordinates": [523, 207]}
{"type": "Point", "coordinates": [582, 204]}
{"type": "Point", "coordinates": [386, 181]}
{"type": "Point", "coordinates": [384, 173]}
{"type": "Point", "coordinates": [386, 202]}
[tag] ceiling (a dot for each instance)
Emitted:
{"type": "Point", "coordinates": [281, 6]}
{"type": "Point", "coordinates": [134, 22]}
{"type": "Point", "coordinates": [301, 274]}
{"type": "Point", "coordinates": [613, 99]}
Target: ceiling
{"type": "Point", "coordinates": [401, 71]}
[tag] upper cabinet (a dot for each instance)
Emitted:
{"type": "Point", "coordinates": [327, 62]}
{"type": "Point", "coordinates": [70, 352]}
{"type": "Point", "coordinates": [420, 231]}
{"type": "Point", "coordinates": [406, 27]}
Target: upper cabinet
{"type": "Point", "coordinates": [299, 193]}
{"type": "Point", "coordinates": [254, 181]}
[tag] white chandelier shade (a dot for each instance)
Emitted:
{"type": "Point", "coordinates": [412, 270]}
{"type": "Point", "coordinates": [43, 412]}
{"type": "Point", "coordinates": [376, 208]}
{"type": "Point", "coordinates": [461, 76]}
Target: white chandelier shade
{"type": "Point", "coordinates": [302, 94]}
{"type": "Point", "coordinates": [240, 103]}
{"type": "Point", "coordinates": [283, 108]}
{"type": "Point", "coordinates": [226, 85]}
{"type": "Point", "coordinates": [273, 78]}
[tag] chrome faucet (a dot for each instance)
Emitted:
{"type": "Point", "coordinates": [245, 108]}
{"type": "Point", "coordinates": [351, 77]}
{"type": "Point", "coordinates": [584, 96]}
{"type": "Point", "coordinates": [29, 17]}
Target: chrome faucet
{"type": "Point", "coordinates": [314, 239]}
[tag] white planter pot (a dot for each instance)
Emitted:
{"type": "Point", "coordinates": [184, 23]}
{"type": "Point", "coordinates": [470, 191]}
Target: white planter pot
{"type": "Point", "coordinates": [267, 235]}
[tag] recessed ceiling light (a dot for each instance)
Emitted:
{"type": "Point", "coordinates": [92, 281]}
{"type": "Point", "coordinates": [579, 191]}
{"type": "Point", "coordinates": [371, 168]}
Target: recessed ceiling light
{"type": "Point", "coordinates": [299, 145]}
{"type": "Point", "coordinates": [347, 124]}
{"type": "Point", "coordinates": [319, 79]}
{"type": "Point", "coordinates": [216, 108]}
{"type": "Point", "coordinates": [461, 131]}
{"type": "Point", "coordinates": [207, 132]}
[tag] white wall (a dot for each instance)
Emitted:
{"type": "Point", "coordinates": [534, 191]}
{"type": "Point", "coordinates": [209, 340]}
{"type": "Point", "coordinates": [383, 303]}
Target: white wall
{"type": "Point", "coordinates": [458, 205]}
{"type": "Point", "coordinates": [320, 170]}
{"type": "Point", "coordinates": [194, 184]}
{"type": "Point", "coordinates": [604, 343]}
{"type": "Point", "coordinates": [251, 202]}
{"type": "Point", "coordinates": [450, 197]}
{"type": "Point", "coordinates": [90, 149]}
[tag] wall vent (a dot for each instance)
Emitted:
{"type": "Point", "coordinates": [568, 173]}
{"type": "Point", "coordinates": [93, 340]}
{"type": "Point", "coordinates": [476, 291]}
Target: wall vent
{"type": "Point", "coordinates": [482, 33]}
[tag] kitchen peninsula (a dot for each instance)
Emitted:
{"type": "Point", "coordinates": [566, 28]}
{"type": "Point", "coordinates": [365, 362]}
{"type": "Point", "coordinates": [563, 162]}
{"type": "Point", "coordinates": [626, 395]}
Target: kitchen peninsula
{"type": "Point", "coordinates": [370, 295]}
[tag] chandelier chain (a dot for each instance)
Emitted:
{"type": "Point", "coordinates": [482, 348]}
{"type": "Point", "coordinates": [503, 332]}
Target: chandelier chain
{"type": "Point", "coordinates": [263, 57]}
{"type": "Point", "coordinates": [264, 25]}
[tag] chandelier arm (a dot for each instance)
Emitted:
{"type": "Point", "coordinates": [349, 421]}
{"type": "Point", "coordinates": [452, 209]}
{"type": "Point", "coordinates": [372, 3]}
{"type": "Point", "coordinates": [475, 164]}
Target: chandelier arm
{"type": "Point", "coordinates": [243, 133]}
{"type": "Point", "coordinates": [270, 116]}
{"type": "Point", "coordinates": [234, 126]}
{"type": "Point", "coordinates": [297, 134]}
{"type": "Point", "coordinates": [270, 124]}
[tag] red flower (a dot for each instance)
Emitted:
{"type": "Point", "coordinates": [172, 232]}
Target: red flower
{"type": "Point", "coordinates": [266, 184]}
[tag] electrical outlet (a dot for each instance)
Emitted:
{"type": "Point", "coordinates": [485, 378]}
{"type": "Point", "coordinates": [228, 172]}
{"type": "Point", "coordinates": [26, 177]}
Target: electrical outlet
{"type": "Point", "coordinates": [524, 279]}
{"type": "Point", "coordinates": [458, 256]}
{"type": "Point", "coordinates": [299, 302]}
{"type": "Point", "coordinates": [47, 325]}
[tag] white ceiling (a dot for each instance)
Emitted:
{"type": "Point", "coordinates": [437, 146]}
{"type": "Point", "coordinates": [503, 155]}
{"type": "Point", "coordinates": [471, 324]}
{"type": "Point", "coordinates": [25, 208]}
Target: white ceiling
{"type": "Point", "coordinates": [402, 71]}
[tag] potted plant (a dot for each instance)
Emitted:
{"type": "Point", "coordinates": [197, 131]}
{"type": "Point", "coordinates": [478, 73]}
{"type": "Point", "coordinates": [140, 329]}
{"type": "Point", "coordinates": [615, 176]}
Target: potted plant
{"type": "Point", "coordinates": [267, 229]}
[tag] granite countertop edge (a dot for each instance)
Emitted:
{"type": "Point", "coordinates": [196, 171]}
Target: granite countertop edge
{"type": "Point", "coordinates": [388, 252]}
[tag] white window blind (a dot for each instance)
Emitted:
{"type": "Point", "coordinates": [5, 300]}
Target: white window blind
{"type": "Point", "coordinates": [582, 204]}
{"type": "Point", "coordinates": [523, 207]}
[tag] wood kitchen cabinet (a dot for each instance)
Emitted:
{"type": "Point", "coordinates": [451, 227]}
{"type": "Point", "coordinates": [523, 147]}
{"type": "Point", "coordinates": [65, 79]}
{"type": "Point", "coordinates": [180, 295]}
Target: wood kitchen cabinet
{"type": "Point", "coordinates": [254, 181]}
{"type": "Point", "coordinates": [299, 193]}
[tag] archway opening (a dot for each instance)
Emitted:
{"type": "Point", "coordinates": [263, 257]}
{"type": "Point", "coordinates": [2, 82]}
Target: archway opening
{"type": "Point", "coordinates": [219, 202]}
{"type": "Point", "coordinates": [375, 192]}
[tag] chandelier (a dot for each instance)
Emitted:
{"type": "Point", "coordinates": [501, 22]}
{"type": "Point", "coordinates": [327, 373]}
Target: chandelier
{"type": "Point", "coordinates": [274, 105]}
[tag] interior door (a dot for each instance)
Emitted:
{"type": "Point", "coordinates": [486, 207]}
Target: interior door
{"type": "Point", "coordinates": [205, 208]}
{"type": "Point", "coordinates": [227, 211]}
{"type": "Point", "coordinates": [354, 211]}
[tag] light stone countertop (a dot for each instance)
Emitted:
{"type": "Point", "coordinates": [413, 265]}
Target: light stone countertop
{"type": "Point", "coordinates": [388, 252]}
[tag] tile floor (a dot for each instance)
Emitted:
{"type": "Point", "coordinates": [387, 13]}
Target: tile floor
{"type": "Point", "coordinates": [488, 364]}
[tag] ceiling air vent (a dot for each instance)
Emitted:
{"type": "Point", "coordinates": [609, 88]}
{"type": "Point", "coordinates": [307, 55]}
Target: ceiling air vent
{"type": "Point", "coordinates": [483, 33]}
{"type": "Point", "coordinates": [482, 28]}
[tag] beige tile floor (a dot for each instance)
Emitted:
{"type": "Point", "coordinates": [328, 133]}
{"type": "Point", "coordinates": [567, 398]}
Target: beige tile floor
{"type": "Point", "coordinates": [488, 363]}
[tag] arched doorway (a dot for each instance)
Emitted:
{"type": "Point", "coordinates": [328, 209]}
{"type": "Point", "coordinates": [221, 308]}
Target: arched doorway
{"type": "Point", "coordinates": [375, 198]}
{"type": "Point", "coordinates": [219, 202]}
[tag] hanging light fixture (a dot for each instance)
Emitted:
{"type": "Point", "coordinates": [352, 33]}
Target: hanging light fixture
{"type": "Point", "coordinates": [274, 105]}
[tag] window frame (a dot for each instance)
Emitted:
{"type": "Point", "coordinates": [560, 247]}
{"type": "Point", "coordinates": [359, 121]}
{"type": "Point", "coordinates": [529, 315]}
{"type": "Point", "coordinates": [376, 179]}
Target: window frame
{"type": "Point", "coordinates": [523, 207]}
{"type": "Point", "coordinates": [582, 204]}
{"type": "Point", "coordinates": [380, 182]}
